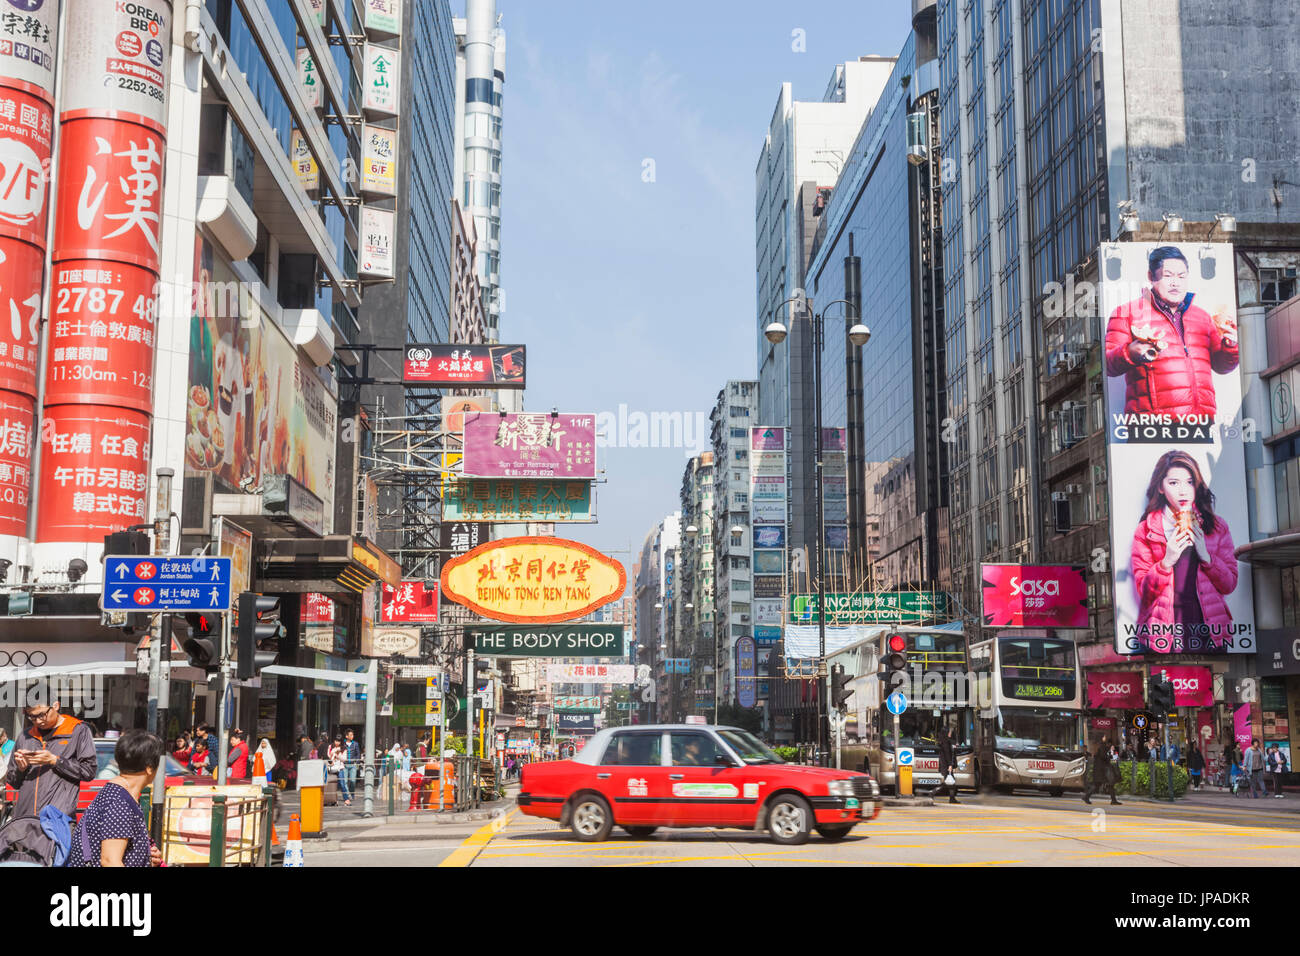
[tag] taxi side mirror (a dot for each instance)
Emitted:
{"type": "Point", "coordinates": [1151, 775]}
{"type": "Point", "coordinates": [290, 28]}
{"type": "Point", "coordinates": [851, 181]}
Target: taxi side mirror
{"type": "Point", "coordinates": [722, 760]}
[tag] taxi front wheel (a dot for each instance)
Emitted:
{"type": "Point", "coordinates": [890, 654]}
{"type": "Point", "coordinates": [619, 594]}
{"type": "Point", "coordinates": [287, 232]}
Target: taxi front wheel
{"type": "Point", "coordinates": [591, 820]}
{"type": "Point", "coordinates": [789, 820]}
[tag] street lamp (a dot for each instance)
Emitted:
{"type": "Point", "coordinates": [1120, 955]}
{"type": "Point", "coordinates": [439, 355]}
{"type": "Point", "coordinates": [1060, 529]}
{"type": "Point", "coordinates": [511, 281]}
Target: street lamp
{"type": "Point", "coordinates": [858, 335]}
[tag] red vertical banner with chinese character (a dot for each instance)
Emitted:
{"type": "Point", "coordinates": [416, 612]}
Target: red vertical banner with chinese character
{"type": "Point", "coordinates": [106, 257]}
{"type": "Point", "coordinates": [28, 38]}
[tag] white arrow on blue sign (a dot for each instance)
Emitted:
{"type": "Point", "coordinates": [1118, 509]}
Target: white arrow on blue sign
{"type": "Point", "coordinates": [162, 583]}
{"type": "Point", "coordinates": [896, 702]}
{"type": "Point", "coordinates": [905, 756]}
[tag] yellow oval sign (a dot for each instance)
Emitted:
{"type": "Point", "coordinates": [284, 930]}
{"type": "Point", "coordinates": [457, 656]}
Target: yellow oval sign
{"type": "Point", "coordinates": [533, 580]}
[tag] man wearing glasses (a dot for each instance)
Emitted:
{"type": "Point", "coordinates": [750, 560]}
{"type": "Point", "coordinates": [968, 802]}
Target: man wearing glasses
{"type": "Point", "coordinates": [54, 754]}
{"type": "Point", "coordinates": [1168, 349]}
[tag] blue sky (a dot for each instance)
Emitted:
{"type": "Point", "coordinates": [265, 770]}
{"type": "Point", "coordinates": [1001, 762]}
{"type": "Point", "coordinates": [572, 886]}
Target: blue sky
{"type": "Point", "coordinates": [642, 293]}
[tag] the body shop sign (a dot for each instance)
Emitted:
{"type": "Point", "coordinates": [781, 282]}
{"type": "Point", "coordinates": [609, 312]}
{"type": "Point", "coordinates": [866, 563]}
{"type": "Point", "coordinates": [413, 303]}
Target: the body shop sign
{"type": "Point", "coordinates": [537, 580]}
{"type": "Point", "coordinates": [1122, 691]}
{"type": "Point", "coordinates": [1193, 686]}
{"type": "Point", "coordinates": [116, 58]}
{"type": "Point", "coordinates": [1022, 595]}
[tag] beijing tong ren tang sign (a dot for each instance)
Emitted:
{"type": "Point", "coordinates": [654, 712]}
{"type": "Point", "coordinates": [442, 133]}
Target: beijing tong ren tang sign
{"type": "Point", "coordinates": [539, 580]}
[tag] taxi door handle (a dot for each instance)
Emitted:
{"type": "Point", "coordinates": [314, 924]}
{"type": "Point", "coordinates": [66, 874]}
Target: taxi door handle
{"type": "Point", "coordinates": [676, 776]}
{"type": "Point", "coordinates": [602, 776]}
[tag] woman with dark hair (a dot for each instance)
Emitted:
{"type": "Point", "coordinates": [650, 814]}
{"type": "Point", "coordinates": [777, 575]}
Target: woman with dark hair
{"type": "Point", "coordinates": [1183, 560]}
{"type": "Point", "coordinates": [112, 831]}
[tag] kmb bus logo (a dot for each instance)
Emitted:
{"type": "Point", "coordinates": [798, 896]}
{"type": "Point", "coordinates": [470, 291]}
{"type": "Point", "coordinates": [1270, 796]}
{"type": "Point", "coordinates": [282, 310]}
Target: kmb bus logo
{"type": "Point", "coordinates": [1042, 765]}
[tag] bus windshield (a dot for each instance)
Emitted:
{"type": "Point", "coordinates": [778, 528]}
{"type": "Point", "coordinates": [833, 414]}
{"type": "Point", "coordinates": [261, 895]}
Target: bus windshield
{"type": "Point", "coordinates": [919, 729]}
{"type": "Point", "coordinates": [1021, 728]}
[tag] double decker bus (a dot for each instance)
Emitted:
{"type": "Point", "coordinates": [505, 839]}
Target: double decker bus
{"type": "Point", "coordinates": [940, 691]}
{"type": "Point", "coordinates": [1031, 737]}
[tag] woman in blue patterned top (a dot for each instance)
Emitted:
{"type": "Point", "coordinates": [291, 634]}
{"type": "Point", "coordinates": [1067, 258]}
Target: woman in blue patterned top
{"type": "Point", "coordinates": [112, 831]}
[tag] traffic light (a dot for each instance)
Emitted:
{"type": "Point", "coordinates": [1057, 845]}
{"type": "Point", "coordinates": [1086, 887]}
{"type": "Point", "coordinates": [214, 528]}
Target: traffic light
{"type": "Point", "coordinates": [896, 662]}
{"type": "Point", "coordinates": [130, 543]}
{"type": "Point", "coordinates": [199, 635]}
{"type": "Point", "coordinates": [259, 633]}
{"type": "Point", "coordinates": [1161, 695]}
{"type": "Point", "coordinates": [840, 691]}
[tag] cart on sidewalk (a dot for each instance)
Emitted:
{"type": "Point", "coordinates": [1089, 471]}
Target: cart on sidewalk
{"type": "Point", "coordinates": [218, 825]}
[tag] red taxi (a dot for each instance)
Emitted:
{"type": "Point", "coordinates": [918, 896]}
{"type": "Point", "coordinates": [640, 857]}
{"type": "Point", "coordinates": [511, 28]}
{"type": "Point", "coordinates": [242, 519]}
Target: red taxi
{"type": "Point", "coordinates": [688, 775]}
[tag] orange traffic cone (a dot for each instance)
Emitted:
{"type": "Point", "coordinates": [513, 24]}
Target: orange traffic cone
{"type": "Point", "coordinates": [259, 768]}
{"type": "Point", "coordinates": [293, 845]}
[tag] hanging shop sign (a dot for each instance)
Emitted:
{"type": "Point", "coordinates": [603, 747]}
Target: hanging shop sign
{"type": "Point", "coordinates": [376, 253]}
{"type": "Point", "coordinates": [533, 580]}
{"type": "Point", "coordinates": [746, 685]}
{"type": "Point", "coordinates": [28, 41]}
{"type": "Point", "coordinates": [487, 499]}
{"type": "Point", "coordinates": [95, 472]}
{"type": "Point", "coordinates": [1177, 466]}
{"type": "Point", "coordinates": [381, 86]}
{"type": "Point", "coordinates": [383, 17]}
{"type": "Point", "coordinates": [1042, 595]}
{"type": "Point", "coordinates": [460, 537]}
{"type": "Point", "coordinates": [590, 674]}
{"type": "Point", "coordinates": [17, 413]}
{"type": "Point", "coordinates": [26, 125]}
{"type": "Point", "coordinates": [391, 642]}
{"type": "Point", "coordinates": [1119, 690]}
{"type": "Point", "coordinates": [303, 162]}
{"type": "Point", "coordinates": [411, 602]}
{"type": "Point", "coordinates": [116, 59]}
{"type": "Point", "coordinates": [455, 407]}
{"type": "Point", "coordinates": [444, 365]}
{"type": "Point", "coordinates": [309, 79]}
{"type": "Point", "coordinates": [378, 161]}
{"type": "Point", "coordinates": [891, 607]}
{"type": "Point", "coordinates": [530, 445]}
{"type": "Point", "coordinates": [572, 640]}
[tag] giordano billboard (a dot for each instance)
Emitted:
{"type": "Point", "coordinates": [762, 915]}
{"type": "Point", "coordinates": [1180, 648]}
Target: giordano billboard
{"type": "Point", "coordinates": [1177, 462]}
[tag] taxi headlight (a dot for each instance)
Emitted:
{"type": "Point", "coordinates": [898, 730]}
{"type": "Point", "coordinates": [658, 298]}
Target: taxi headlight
{"type": "Point", "coordinates": [840, 788]}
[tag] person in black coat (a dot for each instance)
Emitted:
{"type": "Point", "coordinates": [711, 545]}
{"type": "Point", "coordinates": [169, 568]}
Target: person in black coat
{"type": "Point", "coordinates": [947, 762]}
{"type": "Point", "coordinates": [1195, 765]}
{"type": "Point", "coordinates": [1101, 779]}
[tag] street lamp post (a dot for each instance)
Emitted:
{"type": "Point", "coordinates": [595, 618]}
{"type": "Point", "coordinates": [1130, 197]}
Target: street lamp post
{"type": "Point", "coordinates": [858, 335]}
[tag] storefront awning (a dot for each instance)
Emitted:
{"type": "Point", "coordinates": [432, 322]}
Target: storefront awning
{"type": "Point", "coordinates": [1279, 551]}
{"type": "Point", "coordinates": [336, 566]}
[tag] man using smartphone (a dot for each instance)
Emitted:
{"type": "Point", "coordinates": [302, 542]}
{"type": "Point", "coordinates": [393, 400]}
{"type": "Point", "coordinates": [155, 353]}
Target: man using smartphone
{"type": "Point", "coordinates": [54, 754]}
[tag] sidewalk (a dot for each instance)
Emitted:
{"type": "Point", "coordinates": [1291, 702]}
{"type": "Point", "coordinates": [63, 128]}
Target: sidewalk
{"type": "Point", "coordinates": [353, 817]}
{"type": "Point", "coordinates": [1219, 799]}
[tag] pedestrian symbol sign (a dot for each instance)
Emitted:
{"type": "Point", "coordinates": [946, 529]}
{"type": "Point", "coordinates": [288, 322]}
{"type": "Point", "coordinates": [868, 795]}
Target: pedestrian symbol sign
{"type": "Point", "coordinates": [163, 583]}
{"type": "Point", "coordinates": [905, 756]}
{"type": "Point", "coordinates": [896, 702]}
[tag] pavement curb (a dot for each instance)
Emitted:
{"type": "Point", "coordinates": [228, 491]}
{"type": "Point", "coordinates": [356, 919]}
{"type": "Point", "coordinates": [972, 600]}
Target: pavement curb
{"type": "Point", "coordinates": [907, 801]}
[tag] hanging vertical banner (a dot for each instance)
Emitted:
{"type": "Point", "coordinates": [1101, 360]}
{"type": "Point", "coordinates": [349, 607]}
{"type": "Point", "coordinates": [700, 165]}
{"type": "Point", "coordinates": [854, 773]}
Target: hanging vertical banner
{"type": "Point", "coordinates": [308, 79]}
{"type": "Point", "coordinates": [383, 16]}
{"type": "Point", "coordinates": [746, 684]}
{"type": "Point", "coordinates": [17, 413]}
{"type": "Point", "coordinates": [26, 130]}
{"type": "Point", "coordinates": [21, 272]}
{"type": "Point", "coordinates": [1177, 454]}
{"type": "Point", "coordinates": [304, 163]}
{"type": "Point", "coordinates": [376, 258]}
{"type": "Point", "coordinates": [318, 10]}
{"type": "Point", "coordinates": [379, 161]}
{"type": "Point", "coordinates": [101, 335]}
{"type": "Point", "coordinates": [111, 202]}
{"type": "Point", "coordinates": [94, 472]}
{"type": "Point", "coordinates": [381, 86]}
{"type": "Point", "coordinates": [117, 57]}
{"type": "Point", "coordinates": [28, 39]}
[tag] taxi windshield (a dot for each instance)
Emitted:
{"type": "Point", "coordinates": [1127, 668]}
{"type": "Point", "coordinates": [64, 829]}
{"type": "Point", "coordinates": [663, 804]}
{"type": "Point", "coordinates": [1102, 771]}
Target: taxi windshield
{"type": "Point", "coordinates": [750, 748]}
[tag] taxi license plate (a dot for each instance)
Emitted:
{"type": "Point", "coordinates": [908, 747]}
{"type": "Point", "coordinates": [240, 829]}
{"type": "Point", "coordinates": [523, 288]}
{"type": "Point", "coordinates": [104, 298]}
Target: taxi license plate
{"type": "Point", "coordinates": [1041, 783]}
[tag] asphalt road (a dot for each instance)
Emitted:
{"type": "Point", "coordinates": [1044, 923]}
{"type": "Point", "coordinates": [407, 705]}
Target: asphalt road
{"type": "Point", "coordinates": [995, 831]}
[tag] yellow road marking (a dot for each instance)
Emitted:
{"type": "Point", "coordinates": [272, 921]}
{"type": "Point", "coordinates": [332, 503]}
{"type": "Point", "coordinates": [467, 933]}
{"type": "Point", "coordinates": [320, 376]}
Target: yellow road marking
{"type": "Point", "coordinates": [464, 854]}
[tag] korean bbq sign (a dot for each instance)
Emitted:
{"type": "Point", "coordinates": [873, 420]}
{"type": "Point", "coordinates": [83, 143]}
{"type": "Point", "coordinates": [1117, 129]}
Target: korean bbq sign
{"type": "Point", "coordinates": [439, 365]}
{"type": "Point", "coordinates": [1021, 595]}
{"type": "Point", "coordinates": [537, 580]}
{"type": "Point", "coordinates": [530, 445]}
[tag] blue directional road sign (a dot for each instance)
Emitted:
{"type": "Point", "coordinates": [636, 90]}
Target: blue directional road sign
{"type": "Point", "coordinates": [905, 757]}
{"type": "Point", "coordinates": [161, 583]}
{"type": "Point", "coordinates": [896, 702]}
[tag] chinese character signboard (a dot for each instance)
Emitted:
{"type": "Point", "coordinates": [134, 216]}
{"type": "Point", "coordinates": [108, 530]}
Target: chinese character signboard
{"type": "Point", "coordinates": [376, 253]}
{"type": "Point", "coordinates": [117, 58]}
{"type": "Point", "coordinates": [303, 162]}
{"type": "Point", "coordinates": [309, 79]}
{"type": "Point", "coordinates": [16, 414]}
{"type": "Point", "coordinates": [21, 274]}
{"type": "Point", "coordinates": [379, 161]}
{"type": "Point", "coordinates": [577, 705]}
{"type": "Point", "coordinates": [530, 445]}
{"type": "Point", "coordinates": [26, 131]}
{"type": "Point", "coordinates": [590, 674]}
{"type": "Point", "coordinates": [892, 607]}
{"type": "Point", "coordinates": [1177, 456]}
{"type": "Point", "coordinates": [382, 84]}
{"type": "Point", "coordinates": [440, 365]}
{"type": "Point", "coordinates": [460, 537]}
{"type": "Point", "coordinates": [411, 602]}
{"type": "Point", "coordinates": [483, 499]}
{"type": "Point", "coordinates": [455, 407]}
{"type": "Point", "coordinates": [95, 472]}
{"type": "Point", "coordinates": [746, 689]}
{"type": "Point", "coordinates": [27, 44]}
{"type": "Point", "coordinates": [1021, 595]}
{"type": "Point", "coordinates": [383, 16]}
{"type": "Point", "coordinates": [533, 580]}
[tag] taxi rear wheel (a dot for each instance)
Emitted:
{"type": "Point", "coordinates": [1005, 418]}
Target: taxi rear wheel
{"type": "Point", "coordinates": [591, 820]}
{"type": "Point", "coordinates": [833, 834]}
{"type": "Point", "coordinates": [789, 820]}
{"type": "Point", "coordinates": [640, 832]}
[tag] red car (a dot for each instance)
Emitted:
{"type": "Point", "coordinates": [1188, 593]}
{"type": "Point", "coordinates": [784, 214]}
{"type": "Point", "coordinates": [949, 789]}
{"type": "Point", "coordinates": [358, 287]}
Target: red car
{"type": "Point", "coordinates": [688, 775]}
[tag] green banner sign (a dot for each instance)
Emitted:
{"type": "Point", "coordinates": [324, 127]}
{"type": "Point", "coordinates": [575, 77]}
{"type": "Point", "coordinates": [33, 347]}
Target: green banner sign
{"type": "Point", "coordinates": [554, 640]}
{"type": "Point", "coordinates": [577, 705]}
{"type": "Point", "coordinates": [898, 607]}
